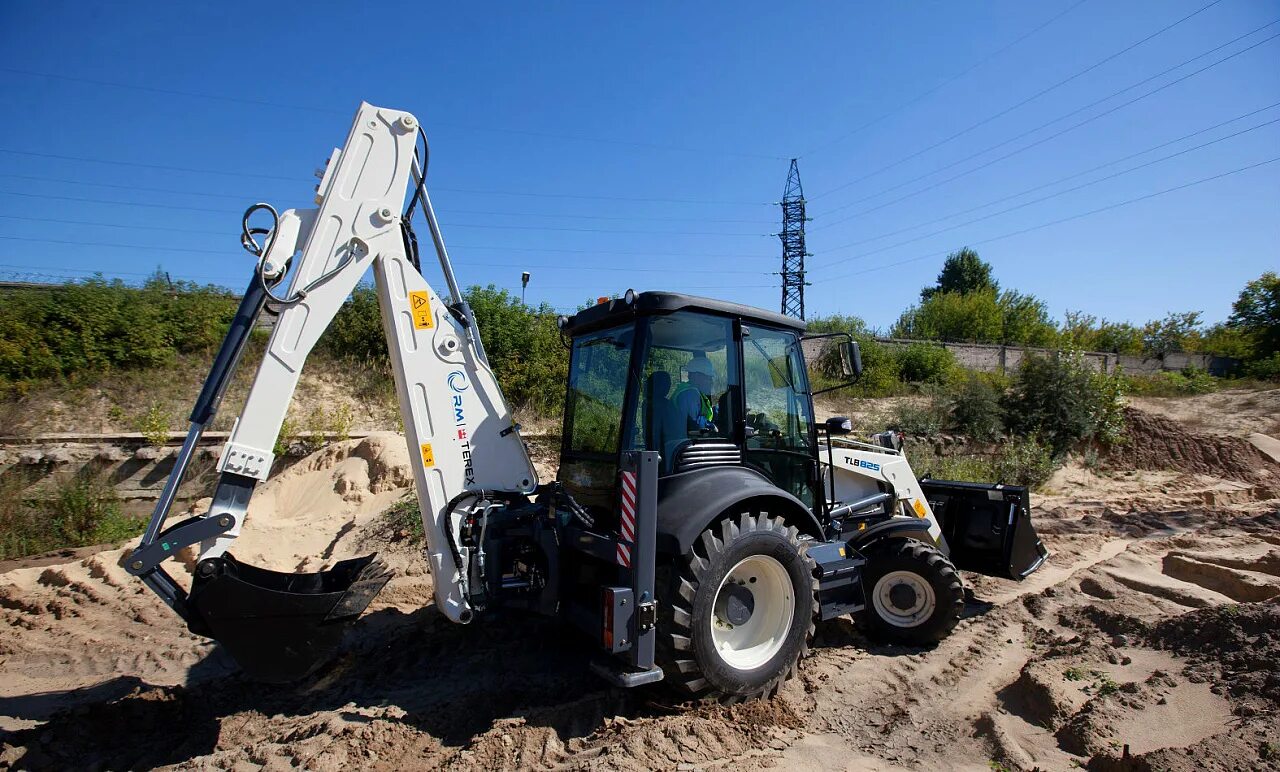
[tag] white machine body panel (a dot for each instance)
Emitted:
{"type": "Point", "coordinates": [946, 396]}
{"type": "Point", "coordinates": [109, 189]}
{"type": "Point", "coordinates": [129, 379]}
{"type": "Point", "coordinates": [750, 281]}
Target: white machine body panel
{"type": "Point", "coordinates": [858, 470]}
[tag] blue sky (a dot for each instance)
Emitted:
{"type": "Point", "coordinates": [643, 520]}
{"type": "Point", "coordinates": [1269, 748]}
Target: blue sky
{"type": "Point", "coordinates": [606, 146]}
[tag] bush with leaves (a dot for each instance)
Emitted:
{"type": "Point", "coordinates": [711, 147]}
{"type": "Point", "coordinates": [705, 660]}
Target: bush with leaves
{"type": "Point", "coordinates": [1061, 400]}
{"type": "Point", "coordinates": [880, 364]}
{"type": "Point", "coordinates": [973, 408]}
{"type": "Point", "coordinates": [924, 363]}
{"type": "Point", "coordinates": [1024, 462]}
{"type": "Point", "coordinates": [918, 419]}
{"type": "Point", "coordinates": [85, 328]}
{"type": "Point", "coordinates": [79, 511]}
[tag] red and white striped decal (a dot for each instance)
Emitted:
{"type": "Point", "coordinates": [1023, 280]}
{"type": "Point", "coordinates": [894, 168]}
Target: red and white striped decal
{"type": "Point", "coordinates": [627, 520]}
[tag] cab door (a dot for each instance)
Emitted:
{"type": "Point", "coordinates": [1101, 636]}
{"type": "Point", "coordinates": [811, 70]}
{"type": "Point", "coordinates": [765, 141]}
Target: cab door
{"type": "Point", "coordinates": [778, 435]}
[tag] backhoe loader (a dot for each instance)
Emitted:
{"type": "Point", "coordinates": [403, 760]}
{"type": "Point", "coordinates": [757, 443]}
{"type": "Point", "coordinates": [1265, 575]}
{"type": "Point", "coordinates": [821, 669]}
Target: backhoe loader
{"type": "Point", "coordinates": [702, 521]}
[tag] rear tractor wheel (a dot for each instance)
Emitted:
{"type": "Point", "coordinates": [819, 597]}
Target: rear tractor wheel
{"type": "Point", "coordinates": [740, 610]}
{"type": "Point", "coordinates": [913, 593]}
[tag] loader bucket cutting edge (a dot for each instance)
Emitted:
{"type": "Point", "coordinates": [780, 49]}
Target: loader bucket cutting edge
{"type": "Point", "coordinates": [280, 627]}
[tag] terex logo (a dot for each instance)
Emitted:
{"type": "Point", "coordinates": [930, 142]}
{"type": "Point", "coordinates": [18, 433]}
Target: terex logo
{"type": "Point", "coordinates": [458, 384]}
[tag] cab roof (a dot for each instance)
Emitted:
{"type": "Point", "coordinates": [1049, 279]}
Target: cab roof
{"type": "Point", "coordinates": [617, 311]}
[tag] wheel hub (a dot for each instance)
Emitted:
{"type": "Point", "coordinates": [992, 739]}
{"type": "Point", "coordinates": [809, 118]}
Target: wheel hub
{"type": "Point", "coordinates": [902, 596]}
{"type": "Point", "coordinates": [736, 604]}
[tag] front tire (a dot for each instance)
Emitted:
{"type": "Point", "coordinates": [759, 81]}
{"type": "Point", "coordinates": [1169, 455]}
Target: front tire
{"type": "Point", "coordinates": [913, 593]}
{"type": "Point", "coordinates": [739, 612]}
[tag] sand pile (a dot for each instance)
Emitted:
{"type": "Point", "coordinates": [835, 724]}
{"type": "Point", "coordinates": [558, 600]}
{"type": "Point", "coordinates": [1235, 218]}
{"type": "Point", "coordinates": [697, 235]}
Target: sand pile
{"type": "Point", "coordinates": [87, 623]}
{"type": "Point", "coordinates": [1154, 442]}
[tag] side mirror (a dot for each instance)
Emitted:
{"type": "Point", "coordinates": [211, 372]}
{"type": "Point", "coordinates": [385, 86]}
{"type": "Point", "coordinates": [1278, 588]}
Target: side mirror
{"type": "Point", "coordinates": [850, 359]}
{"type": "Point", "coordinates": [839, 425]}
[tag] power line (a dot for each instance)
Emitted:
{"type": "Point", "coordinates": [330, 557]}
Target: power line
{"type": "Point", "coordinates": [241, 197]}
{"type": "Point", "coordinates": [116, 245]}
{"type": "Point", "coordinates": [1059, 221]}
{"type": "Point", "coordinates": [918, 98]}
{"type": "Point", "coordinates": [1026, 101]}
{"type": "Point", "coordinates": [1053, 136]}
{"type": "Point", "coordinates": [1042, 199]}
{"type": "Point", "coordinates": [331, 111]}
{"type": "Point", "coordinates": [483, 226]}
{"type": "Point", "coordinates": [257, 175]}
{"type": "Point", "coordinates": [1063, 179]}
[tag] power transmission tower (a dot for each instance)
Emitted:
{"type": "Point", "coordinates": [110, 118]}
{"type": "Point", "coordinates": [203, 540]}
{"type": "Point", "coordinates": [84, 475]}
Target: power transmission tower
{"type": "Point", "coordinates": [793, 253]}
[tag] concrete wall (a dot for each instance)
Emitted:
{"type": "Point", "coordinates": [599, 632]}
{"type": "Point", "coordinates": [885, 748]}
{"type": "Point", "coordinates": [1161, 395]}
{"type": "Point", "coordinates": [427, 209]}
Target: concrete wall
{"type": "Point", "coordinates": [988, 357]}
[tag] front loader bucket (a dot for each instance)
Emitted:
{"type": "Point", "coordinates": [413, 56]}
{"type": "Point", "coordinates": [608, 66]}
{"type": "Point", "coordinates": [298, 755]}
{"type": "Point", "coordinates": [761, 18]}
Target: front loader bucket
{"type": "Point", "coordinates": [987, 527]}
{"type": "Point", "coordinates": [280, 627]}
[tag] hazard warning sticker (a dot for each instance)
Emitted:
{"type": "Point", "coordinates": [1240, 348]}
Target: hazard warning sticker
{"type": "Point", "coordinates": [428, 458]}
{"type": "Point", "coordinates": [420, 307]}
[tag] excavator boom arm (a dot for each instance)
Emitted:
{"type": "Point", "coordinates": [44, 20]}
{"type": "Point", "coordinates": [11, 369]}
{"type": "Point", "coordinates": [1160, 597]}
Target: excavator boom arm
{"type": "Point", "coordinates": [458, 426]}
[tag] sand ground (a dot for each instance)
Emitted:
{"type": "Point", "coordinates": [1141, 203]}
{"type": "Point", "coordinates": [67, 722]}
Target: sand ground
{"type": "Point", "coordinates": [1148, 641]}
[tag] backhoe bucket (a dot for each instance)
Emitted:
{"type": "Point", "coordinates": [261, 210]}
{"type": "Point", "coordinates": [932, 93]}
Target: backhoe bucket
{"type": "Point", "coordinates": [280, 627]}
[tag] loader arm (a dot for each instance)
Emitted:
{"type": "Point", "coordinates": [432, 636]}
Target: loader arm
{"type": "Point", "coordinates": [458, 426]}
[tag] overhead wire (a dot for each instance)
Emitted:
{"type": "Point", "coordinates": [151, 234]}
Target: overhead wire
{"type": "Point", "coordinates": [478, 191]}
{"type": "Point", "coordinates": [492, 213]}
{"type": "Point", "coordinates": [1059, 180]}
{"type": "Point", "coordinates": [920, 97]}
{"type": "Point", "coordinates": [1042, 199]}
{"type": "Point", "coordinates": [332, 111]}
{"type": "Point", "coordinates": [1061, 220]}
{"type": "Point", "coordinates": [1042, 140]}
{"type": "Point", "coordinates": [1024, 102]}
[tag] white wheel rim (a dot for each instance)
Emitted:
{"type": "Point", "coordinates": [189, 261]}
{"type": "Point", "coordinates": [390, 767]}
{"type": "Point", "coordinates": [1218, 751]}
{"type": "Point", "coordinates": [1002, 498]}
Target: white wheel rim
{"type": "Point", "coordinates": [916, 611]}
{"type": "Point", "coordinates": [753, 642]}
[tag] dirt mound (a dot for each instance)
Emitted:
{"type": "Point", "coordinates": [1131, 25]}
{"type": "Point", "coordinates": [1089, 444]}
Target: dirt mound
{"type": "Point", "coordinates": [1154, 442]}
{"type": "Point", "coordinates": [1241, 642]}
{"type": "Point", "coordinates": [84, 629]}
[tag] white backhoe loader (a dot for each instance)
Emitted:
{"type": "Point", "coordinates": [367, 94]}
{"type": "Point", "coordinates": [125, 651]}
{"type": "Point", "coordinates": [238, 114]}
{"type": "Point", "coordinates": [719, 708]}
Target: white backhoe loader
{"type": "Point", "coordinates": [697, 545]}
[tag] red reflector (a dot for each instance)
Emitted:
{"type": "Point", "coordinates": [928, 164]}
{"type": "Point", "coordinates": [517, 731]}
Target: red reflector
{"type": "Point", "coordinates": [607, 633]}
{"type": "Point", "coordinates": [601, 300]}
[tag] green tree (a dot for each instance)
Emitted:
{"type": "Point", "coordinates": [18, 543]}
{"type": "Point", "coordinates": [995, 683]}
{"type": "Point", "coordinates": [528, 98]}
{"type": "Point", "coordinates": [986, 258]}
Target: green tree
{"type": "Point", "coordinates": [975, 317]}
{"type": "Point", "coordinates": [963, 272]}
{"type": "Point", "coordinates": [1025, 320]}
{"type": "Point", "coordinates": [1257, 313]}
{"type": "Point", "coordinates": [1178, 331]}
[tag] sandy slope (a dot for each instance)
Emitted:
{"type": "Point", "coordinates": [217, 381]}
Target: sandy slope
{"type": "Point", "coordinates": [1150, 627]}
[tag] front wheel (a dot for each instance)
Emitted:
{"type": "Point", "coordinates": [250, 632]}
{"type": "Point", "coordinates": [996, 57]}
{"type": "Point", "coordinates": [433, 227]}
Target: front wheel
{"type": "Point", "coordinates": [740, 610]}
{"type": "Point", "coordinates": [913, 593]}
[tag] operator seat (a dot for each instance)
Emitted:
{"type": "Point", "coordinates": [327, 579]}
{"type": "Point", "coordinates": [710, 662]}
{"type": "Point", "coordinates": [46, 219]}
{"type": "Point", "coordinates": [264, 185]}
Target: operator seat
{"type": "Point", "coordinates": [663, 426]}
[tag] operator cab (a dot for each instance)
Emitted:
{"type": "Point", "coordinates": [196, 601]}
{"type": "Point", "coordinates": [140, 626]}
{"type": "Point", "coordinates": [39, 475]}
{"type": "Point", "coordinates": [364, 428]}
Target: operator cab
{"type": "Point", "coordinates": [704, 382]}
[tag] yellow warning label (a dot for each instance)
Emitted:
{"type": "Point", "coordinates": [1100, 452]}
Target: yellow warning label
{"type": "Point", "coordinates": [428, 458]}
{"type": "Point", "coordinates": [420, 306]}
{"type": "Point", "coordinates": [918, 506]}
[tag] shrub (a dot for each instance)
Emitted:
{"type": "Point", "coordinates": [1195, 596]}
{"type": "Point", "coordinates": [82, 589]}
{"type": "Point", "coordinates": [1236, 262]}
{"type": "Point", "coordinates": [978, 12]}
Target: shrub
{"type": "Point", "coordinates": [1024, 462]}
{"type": "Point", "coordinates": [973, 409]}
{"type": "Point", "coordinates": [923, 363]}
{"type": "Point", "coordinates": [154, 425]}
{"type": "Point", "coordinates": [1265, 369]}
{"type": "Point", "coordinates": [81, 511]}
{"type": "Point", "coordinates": [916, 419]}
{"type": "Point", "coordinates": [1060, 400]}
{"type": "Point", "coordinates": [1189, 381]}
{"type": "Point", "coordinates": [405, 516]}
{"type": "Point", "coordinates": [85, 328]}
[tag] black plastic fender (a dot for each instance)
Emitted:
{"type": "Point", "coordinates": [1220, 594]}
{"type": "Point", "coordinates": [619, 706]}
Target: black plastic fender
{"type": "Point", "coordinates": [894, 527]}
{"type": "Point", "coordinates": [690, 501]}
